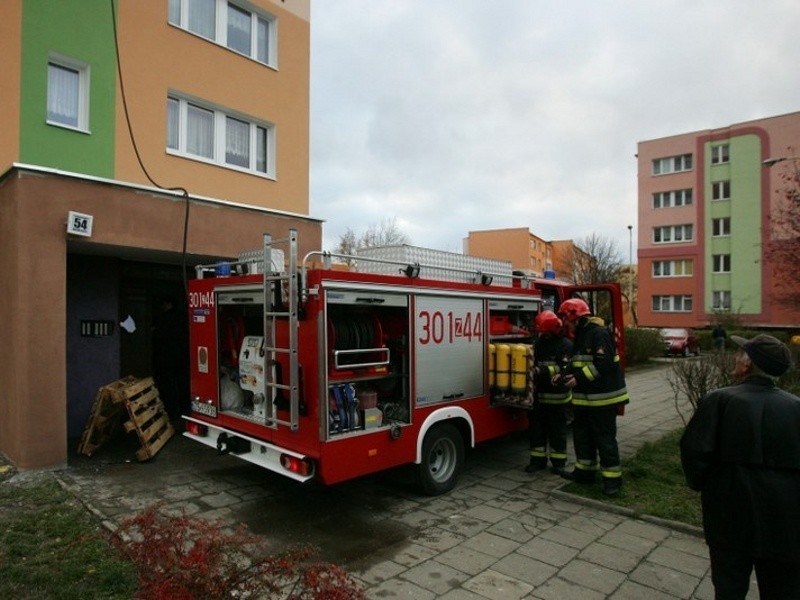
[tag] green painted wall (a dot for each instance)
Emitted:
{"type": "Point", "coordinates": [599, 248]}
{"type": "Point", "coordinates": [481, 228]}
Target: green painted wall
{"type": "Point", "coordinates": [82, 31]}
{"type": "Point", "coordinates": [745, 210]}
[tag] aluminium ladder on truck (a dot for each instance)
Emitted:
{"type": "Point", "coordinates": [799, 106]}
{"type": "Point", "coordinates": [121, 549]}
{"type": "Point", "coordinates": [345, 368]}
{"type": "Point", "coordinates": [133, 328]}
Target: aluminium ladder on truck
{"type": "Point", "coordinates": [274, 283]}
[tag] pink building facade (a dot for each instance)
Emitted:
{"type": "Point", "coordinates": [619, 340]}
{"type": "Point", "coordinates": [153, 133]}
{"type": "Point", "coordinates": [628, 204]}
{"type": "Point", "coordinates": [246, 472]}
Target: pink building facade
{"type": "Point", "coordinates": [705, 202]}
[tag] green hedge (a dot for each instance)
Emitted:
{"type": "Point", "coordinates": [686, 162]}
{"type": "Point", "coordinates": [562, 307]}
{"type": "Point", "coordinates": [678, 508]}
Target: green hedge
{"type": "Point", "coordinates": [641, 344]}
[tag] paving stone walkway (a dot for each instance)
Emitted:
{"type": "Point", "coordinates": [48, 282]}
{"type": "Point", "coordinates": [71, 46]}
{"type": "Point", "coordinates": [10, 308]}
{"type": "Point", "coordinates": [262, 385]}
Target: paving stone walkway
{"type": "Point", "coordinates": [501, 534]}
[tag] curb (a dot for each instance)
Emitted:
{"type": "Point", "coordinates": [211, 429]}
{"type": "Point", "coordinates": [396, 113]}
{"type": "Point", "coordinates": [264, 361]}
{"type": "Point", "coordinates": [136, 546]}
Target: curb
{"type": "Point", "coordinates": [628, 512]}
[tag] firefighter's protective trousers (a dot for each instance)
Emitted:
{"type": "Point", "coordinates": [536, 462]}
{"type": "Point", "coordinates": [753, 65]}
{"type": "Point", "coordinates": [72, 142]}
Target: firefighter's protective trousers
{"type": "Point", "coordinates": [548, 419]}
{"type": "Point", "coordinates": [594, 433]}
{"type": "Point", "coordinates": [548, 434]}
{"type": "Point", "coordinates": [599, 390]}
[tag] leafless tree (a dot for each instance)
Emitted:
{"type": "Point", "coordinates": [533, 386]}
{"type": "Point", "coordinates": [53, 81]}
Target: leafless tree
{"type": "Point", "coordinates": [385, 233]}
{"type": "Point", "coordinates": [782, 243]}
{"type": "Point", "coordinates": [595, 259]}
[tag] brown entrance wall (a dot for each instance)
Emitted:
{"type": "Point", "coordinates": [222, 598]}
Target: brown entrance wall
{"type": "Point", "coordinates": [33, 253]}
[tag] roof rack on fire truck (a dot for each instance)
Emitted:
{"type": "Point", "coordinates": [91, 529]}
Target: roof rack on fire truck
{"type": "Point", "coordinates": [414, 262]}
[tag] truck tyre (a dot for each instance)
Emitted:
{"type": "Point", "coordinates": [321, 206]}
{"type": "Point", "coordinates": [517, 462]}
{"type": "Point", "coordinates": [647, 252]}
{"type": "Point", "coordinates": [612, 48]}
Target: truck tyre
{"type": "Point", "coordinates": [442, 460]}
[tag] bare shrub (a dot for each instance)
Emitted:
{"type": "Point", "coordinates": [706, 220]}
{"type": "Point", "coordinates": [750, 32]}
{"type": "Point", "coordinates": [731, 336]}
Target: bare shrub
{"type": "Point", "coordinates": [691, 379]}
{"type": "Point", "coordinates": [188, 558]}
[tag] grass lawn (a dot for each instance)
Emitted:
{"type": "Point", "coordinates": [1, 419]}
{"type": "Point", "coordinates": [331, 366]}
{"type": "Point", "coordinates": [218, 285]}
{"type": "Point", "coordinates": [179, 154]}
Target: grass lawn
{"type": "Point", "coordinates": [653, 484]}
{"type": "Point", "coordinates": [51, 547]}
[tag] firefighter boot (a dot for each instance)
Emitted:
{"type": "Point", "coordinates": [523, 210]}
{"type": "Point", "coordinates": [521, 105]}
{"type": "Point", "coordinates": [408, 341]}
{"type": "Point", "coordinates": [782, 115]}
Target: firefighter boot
{"type": "Point", "coordinates": [538, 459]}
{"type": "Point", "coordinates": [536, 464]}
{"type": "Point", "coordinates": [579, 476]}
{"type": "Point", "coordinates": [612, 486]}
{"type": "Point", "coordinates": [558, 460]}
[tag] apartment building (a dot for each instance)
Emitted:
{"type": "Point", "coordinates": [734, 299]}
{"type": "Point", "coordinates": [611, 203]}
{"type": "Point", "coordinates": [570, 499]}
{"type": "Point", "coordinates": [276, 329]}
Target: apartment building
{"type": "Point", "coordinates": [137, 139]}
{"type": "Point", "coordinates": [526, 251]}
{"type": "Point", "coordinates": [705, 203]}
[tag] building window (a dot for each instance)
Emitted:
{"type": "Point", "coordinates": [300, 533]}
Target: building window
{"type": "Point", "coordinates": [721, 227]}
{"type": "Point", "coordinates": [721, 190]}
{"type": "Point", "coordinates": [720, 154]}
{"type": "Point", "coordinates": [721, 300]}
{"type": "Point", "coordinates": [673, 268]}
{"type": "Point", "coordinates": [672, 164]}
{"type": "Point", "coordinates": [672, 303]}
{"type": "Point", "coordinates": [673, 233]}
{"type": "Point", "coordinates": [672, 198]}
{"type": "Point", "coordinates": [230, 24]}
{"type": "Point", "coordinates": [208, 133]}
{"type": "Point", "coordinates": [721, 263]}
{"type": "Point", "coordinates": [68, 93]}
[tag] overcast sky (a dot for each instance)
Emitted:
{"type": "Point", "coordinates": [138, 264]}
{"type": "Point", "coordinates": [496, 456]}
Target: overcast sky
{"type": "Point", "coordinates": [458, 115]}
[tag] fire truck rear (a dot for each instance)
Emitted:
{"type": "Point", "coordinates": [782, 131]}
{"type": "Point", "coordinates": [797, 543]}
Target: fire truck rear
{"type": "Point", "coordinates": [327, 374]}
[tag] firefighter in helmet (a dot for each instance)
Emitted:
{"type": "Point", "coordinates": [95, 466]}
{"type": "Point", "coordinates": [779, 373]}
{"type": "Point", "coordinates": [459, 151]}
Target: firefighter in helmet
{"type": "Point", "coordinates": [547, 421]}
{"type": "Point", "coordinates": [598, 390]}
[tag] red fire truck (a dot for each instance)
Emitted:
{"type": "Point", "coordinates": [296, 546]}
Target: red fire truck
{"type": "Point", "coordinates": [324, 373]}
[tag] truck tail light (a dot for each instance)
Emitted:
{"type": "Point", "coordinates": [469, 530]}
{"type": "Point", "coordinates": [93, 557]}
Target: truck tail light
{"type": "Point", "coordinates": [296, 465]}
{"type": "Point", "coordinates": [196, 428]}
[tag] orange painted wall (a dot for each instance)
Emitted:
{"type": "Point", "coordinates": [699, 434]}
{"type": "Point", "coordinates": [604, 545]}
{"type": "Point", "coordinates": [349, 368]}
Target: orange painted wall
{"type": "Point", "coordinates": [156, 63]}
{"type": "Point", "coordinates": [515, 245]}
{"type": "Point", "coordinates": [562, 255]}
{"type": "Point", "coordinates": [10, 48]}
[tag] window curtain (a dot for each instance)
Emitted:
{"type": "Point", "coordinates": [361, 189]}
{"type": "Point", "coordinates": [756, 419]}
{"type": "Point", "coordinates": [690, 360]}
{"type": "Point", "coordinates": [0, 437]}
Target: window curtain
{"type": "Point", "coordinates": [200, 131]}
{"type": "Point", "coordinates": [63, 89]}
{"type": "Point", "coordinates": [237, 143]}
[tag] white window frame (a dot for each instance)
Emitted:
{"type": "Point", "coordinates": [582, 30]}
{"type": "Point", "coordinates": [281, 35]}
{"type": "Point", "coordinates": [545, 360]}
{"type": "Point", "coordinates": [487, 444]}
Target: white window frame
{"type": "Point", "coordinates": [721, 227]}
{"type": "Point", "coordinates": [181, 105]}
{"type": "Point", "coordinates": [59, 61]}
{"type": "Point", "coordinates": [260, 21]}
{"type": "Point", "coordinates": [720, 154]}
{"type": "Point", "coordinates": [675, 303]}
{"type": "Point", "coordinates": [672, 198]}
{"type": "Point", "coordinates": [721, 300]}
{"type": "Point", "coordinates": [721, 263]}
{"type": "Point", "coordinates": [672, 268]}
{"type": "Point", "coordinates": [721, 190]}
{"type": "Point", "coordinates": [672, 164]}
{"type": "Point", "coordinates": [671, 234]}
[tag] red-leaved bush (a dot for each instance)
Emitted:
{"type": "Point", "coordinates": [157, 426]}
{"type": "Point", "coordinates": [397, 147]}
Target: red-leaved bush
{"type": "Point", "coordinates": [188, 558]}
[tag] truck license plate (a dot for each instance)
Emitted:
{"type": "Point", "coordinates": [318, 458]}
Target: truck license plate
{"type": "Point", "coordinates": [208, 410]}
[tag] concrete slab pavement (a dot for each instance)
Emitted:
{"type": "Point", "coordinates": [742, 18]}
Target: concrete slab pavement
{"type": "Point", "coordinates": [502, 533]}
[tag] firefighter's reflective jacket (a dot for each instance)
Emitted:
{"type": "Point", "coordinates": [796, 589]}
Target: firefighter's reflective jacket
{"type": "Point", "coordinates": [595, 365]}
{"type": "Point", "coordinates": [551, 356]}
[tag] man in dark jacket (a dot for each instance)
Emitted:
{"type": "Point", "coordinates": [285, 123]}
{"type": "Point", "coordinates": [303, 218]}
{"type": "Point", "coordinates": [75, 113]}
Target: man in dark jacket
{"type": "Point", "coordinates": [548, 418]}
{"type": "Point", "coordinates": [741, 450]}
{"type": "Point", "coordinates": [598, 390]}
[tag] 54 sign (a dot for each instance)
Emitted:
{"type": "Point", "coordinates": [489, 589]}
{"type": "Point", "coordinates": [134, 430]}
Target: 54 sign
{"type": "Point", "coordinates": [79, 224]}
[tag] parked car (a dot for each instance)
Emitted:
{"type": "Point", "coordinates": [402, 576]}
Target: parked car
{"type": "Point", "coordinates": [680, 340]}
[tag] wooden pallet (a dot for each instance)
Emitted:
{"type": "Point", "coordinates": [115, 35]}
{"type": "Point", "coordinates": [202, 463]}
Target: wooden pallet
{"type": "Point", "coordinates": [148, 418]}
{"type": "Point", "coordinates": [105, 418]}
{"type": "Point", "coordinates": [133, 405]}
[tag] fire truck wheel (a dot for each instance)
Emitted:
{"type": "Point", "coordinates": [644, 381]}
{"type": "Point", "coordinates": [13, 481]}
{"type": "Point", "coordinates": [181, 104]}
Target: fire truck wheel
{"type": "Point", "coordinates": [442, 460]}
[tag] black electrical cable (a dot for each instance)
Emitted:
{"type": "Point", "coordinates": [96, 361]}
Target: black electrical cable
{"type": "Point", "coordinates": [182, 190]}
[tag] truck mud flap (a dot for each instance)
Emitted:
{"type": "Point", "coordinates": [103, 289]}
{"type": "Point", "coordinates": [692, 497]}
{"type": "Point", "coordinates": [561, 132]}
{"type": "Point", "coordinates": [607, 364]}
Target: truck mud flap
{"type": "Point", "coordinates": [231, 444]}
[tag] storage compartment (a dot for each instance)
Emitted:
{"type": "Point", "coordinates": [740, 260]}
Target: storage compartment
{"type": "Point", "coordinates": [367, 360]}
{"type": "Point", "coordinates": [241, 355]}
{"type": "Point", "coordinates": [511, 336]}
